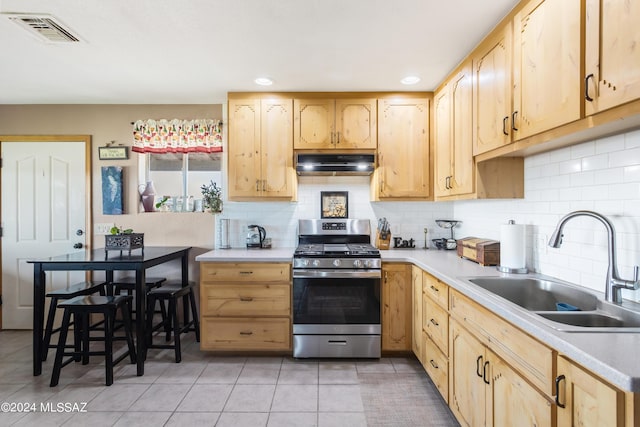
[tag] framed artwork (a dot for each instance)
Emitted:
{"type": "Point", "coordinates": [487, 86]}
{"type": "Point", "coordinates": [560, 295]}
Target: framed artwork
{"type": "Point", "coordinates": [113, 153]}
{"type": "Point", "coordinates": [334, 204]}
{"type": "Point", "coordinates": [112, 190]}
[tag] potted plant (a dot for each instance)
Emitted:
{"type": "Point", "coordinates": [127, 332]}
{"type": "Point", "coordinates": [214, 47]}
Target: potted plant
{"type": "Point", "coordinates": [212, 197]}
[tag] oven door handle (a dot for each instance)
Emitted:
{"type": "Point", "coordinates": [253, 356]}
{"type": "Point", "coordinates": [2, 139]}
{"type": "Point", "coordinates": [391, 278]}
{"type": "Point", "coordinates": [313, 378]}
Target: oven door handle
{"type": "Point", "coordinates": [338, 274]}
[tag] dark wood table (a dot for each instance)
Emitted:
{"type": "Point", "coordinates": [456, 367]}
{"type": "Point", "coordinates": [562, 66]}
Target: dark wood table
{"type": "Point", "coordinates": [99, 260]}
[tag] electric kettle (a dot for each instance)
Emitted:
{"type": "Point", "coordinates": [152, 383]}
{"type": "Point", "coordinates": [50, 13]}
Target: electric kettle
{"type": "Point", "coordinates": [255, 236]}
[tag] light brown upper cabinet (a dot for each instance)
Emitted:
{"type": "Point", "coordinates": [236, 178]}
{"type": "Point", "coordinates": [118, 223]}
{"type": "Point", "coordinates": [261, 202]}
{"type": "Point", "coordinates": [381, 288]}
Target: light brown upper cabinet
{"type": "Point", "coordinates": [260, 149]}
{"type": "Point", "coordinates": [612, 55]}
{"type": "Point", "coordinates": [527, 74]}
{"type": "Point", "coordinates": [492, 91]}
{"type": "Point", "coordinates": [342, 124]}
{"type": "Point", "coordinates": [453, 136]}
{"type": "Point", "coordinates": [403, 149]}
{"type": "Point", "coordinates": [547, 58]}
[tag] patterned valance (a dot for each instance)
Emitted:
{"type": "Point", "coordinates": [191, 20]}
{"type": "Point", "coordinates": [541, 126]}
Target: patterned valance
{"type": "Point", "coordinates": [177, 136]}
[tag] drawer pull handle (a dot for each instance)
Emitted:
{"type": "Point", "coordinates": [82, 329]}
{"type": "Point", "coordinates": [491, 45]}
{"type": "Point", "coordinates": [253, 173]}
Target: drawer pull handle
{"type": "Point", "coordinates": [337, 342]}
{"type": "Point", "coordinates": [434, 322]}
{"type": "Point", "coordinates": [434, 364]}
{"type": "Point", "coordinates": [558, 379]}
{"type": "Point", "coordinates": [246, 333]}
{"type": "Point", "coordinates": [246, 272]}
{"type": "Point", "coordinates": [246, 299]}
{"type": "Point", "coordinates": [435, 289]}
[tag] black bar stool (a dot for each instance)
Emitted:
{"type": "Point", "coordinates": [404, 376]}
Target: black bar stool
{"type": "Point", "coordinates": [128, 284]}
{"type": "Point", "coordinates": [79, 289]}
{"type": "Point", "coordinates": [172, 292]}
{"type": "Point", "coordinates": [81, 308]}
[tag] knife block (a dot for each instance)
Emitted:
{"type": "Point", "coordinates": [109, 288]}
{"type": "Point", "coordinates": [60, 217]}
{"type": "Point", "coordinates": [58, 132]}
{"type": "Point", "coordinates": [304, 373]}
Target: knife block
{"type": "Point", "coordinates": [383, 243]}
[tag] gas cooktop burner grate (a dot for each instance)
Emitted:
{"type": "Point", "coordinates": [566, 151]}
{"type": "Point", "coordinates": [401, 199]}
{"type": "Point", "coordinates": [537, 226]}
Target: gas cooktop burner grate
{"type": "Point", "coordinates": [333, 249]}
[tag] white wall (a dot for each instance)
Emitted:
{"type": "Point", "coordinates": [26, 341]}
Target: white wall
{"type": "Point", "coordinates": [601, 175]}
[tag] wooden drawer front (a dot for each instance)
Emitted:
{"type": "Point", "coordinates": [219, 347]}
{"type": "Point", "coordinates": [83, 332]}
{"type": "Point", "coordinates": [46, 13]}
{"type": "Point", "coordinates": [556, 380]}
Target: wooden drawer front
{"type": "Point", "coordinates": [435, 322]}
{"type": "Point", "coordinates": [220, 333]}
{"type": "Point", "coordinates": [436, 290]}
{"type": "Point", "coordinates": [245, 272]}
{"type": "Point", "coordinates": [529, 357]}
{"type": "Point", "coordinates": [437, 366]}
{"type": "Point", "coordinates": [245, 300]}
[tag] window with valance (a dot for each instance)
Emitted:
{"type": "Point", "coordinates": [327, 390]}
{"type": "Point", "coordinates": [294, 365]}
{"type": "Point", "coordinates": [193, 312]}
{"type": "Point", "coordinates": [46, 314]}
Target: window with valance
{"type": "Point", "coordinates": [177, 136]}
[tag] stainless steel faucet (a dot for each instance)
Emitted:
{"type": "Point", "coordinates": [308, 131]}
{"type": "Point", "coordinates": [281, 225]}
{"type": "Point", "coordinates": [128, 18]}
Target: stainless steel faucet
{"type": "Point", "coordinates": [614, 285]}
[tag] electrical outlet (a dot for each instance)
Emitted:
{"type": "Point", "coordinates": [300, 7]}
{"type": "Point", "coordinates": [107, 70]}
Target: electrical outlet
{"type": "Point", "coordinates": [102, 228]}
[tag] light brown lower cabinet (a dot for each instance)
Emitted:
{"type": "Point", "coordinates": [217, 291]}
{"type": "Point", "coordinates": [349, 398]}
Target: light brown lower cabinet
{"type": "Point", "coordinates": [396, 307]}
{"type": "Point", "coordinates": [417, 341]}
{"type": "Point", "coordinates": [486, 391]}
{"type": "Point", "coordinates": [586, 401]}
{"type": "Point", "coordinates": [436, 363]}
{"type": "Point", "coordinates": [245, 306]}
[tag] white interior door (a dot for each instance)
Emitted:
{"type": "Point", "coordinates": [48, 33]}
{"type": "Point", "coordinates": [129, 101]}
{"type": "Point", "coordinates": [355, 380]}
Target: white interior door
{"type": "Point", "coordinates": [43, 215]}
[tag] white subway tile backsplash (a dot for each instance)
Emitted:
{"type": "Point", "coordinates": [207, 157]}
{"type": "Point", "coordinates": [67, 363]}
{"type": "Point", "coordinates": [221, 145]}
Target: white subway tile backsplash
{"type": "Point", "coordinates": [632, 139]}
{"type": "Point", "coordinates": [570, 166]}
{"type": "Point", "coordinates": [597, 162]}
{"type": "Point", "coordinates": [628, 157]}
{"type": "Point", "coordinates": [583, 150]}
{"type": "Point", "coordinates": [610, 144]}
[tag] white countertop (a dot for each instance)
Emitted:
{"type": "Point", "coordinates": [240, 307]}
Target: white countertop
{"type": "Point", "coordinates": [610, 355]}
{"type": "Point", "coordinates": [248, 255]}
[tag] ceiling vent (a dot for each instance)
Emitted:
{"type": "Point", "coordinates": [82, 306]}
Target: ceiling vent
{"type": "Point", "coordinates": [45, 27]}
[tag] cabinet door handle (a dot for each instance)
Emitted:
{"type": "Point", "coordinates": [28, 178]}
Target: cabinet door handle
{"type": "Point", "coordinates": [333, 139]}
{"type": "Point", "coordinates": [247, 333]}
{"type": "Point", "coordinates": [257, 185]}
{"type": "Point", "coordinates": [446, 183]}
{"type": "Point", "coordinates": [337, 137]}
{"type": "Point", "coordinates": [558, 379]}
{"type": "Point", "coordinates": [504, 125]}
{"type": "Point", "coordinates": [478, 363]}
{"type": "Point", "coordinates": [434, 322]}
{"type": "Point", "coordinates": [434, 364]}
{"type": "Point", "coordinates": [435, 289]}
{"type": "Point", "coordinates": [264, 185]}
{"type": "Point", "coordinates": [484, 372]}
{"type": "Point", "coordinates": [386, 276]}
{"type": "Point", "coordinates": [513, 120]}
{"type": "Point", "coordinates": [586, 87]}
{"type": "Point", "coordinates": [246, 299]}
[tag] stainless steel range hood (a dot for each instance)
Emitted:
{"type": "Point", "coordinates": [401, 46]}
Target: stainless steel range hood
{"type": "Point", "coordinates": [334, 164]}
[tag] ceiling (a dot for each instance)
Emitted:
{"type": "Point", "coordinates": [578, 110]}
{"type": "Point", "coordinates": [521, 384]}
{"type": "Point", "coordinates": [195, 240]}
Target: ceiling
{"type": "Point", "coordinates": [195, 51]}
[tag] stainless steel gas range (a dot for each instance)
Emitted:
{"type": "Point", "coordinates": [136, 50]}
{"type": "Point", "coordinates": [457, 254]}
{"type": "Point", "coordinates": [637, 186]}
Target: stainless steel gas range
{"type": "Point", "coordinates": [336, 290]}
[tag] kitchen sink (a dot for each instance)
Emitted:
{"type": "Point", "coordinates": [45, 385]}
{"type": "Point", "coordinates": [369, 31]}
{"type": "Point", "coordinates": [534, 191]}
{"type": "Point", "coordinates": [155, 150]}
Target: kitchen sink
{"type": "Point", "coordinates": [563, 306]}
{"type": "Point", "coordinates": [538, 294]}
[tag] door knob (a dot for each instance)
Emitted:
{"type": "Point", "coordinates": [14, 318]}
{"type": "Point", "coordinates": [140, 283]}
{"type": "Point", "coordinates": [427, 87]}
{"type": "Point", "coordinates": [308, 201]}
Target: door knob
{"type": "Point", "coordinates": [78, 246]}
{"type": "Point", "coordinates": [79, 232]}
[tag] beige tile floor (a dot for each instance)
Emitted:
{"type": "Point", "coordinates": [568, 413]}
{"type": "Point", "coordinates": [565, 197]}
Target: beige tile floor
{"type": "Point", "coordinates": [208, 390]}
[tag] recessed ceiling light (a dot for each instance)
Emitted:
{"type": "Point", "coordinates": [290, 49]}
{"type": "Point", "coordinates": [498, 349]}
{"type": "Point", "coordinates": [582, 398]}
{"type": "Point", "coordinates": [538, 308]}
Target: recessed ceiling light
{"type": "Point", "coordinates": [410, 80]}
{"type": "Point", "coordinates": [263, 81]}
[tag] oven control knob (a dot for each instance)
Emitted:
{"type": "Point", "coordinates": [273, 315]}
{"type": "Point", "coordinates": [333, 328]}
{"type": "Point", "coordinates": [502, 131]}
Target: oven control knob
{"type": "Point", "coordinates": [316, 262]}
{"type": "Point", "coordinates": [367, 263]}
{"type": "Point", "coordinates": [304, 262]}
{"type": "Point", "coordinates": [337, 262]}
{"type": "Point", "coordinates": [357, 263]}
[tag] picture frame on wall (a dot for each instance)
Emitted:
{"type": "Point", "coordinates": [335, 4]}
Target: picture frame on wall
{"type": "Point", "coordinates": [113, 153]}
{"type": "Point", "coordinates": [334, 204]}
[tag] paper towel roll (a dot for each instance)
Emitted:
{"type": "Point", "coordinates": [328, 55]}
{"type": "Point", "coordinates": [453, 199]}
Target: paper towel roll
{"type": "Point", "coordinates": [512, 246]}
